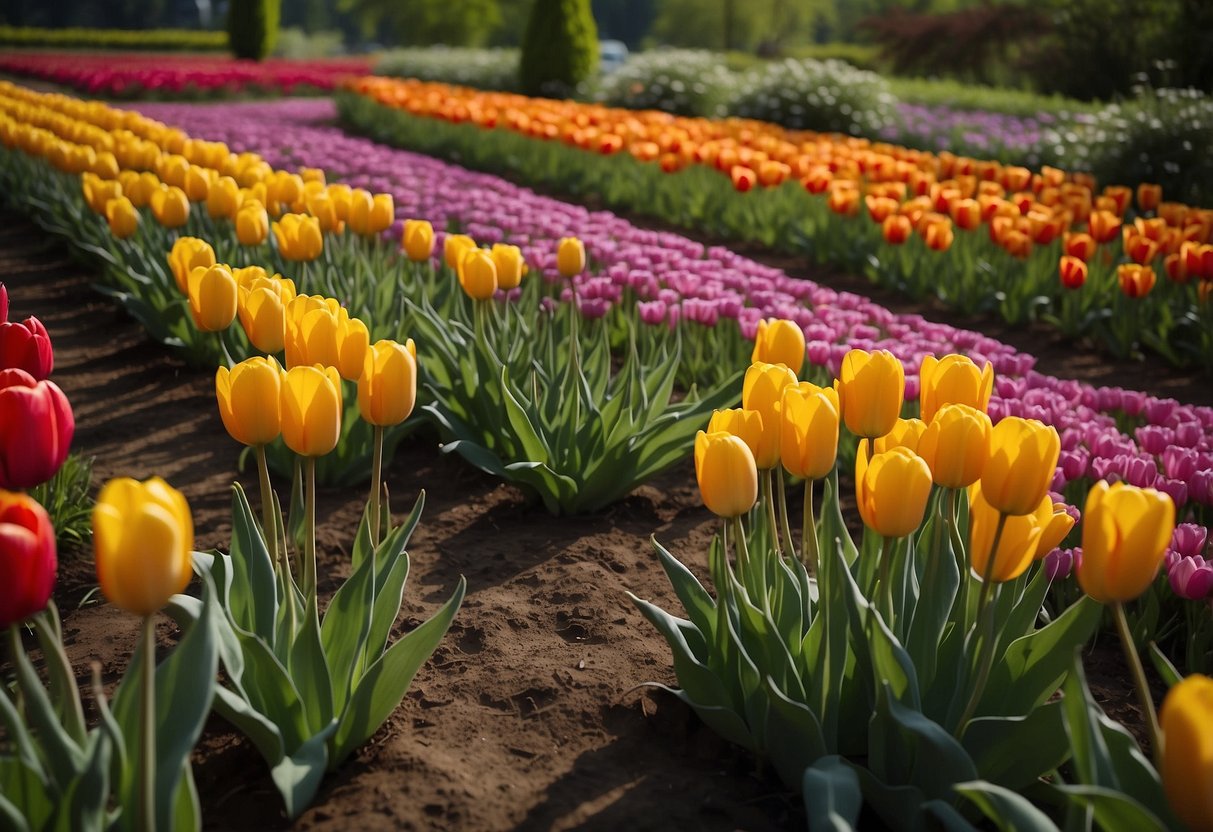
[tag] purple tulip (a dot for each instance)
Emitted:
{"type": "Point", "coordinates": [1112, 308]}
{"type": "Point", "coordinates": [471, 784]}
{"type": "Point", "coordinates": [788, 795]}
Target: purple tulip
{"type": "Point", "coordinates": [1191, 578]}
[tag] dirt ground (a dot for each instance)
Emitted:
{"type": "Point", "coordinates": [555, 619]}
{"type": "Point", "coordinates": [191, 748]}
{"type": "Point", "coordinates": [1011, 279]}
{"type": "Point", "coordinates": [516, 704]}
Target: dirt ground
{"type": "Point", "coordinates": [527, 716]}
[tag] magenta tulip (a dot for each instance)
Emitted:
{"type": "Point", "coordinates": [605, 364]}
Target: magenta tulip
{"type": "Point", "coordinates": [26, 346]}
{"type": "Point", "coordinates": [36, 427]}
{"type": "Point", "coordinates": [27, 557]}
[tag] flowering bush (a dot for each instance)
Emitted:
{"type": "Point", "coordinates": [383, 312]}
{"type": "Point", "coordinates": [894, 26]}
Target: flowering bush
{"type": "Point", "coordinates": [483, 69]}
{"type": "Point", "coordinates": [830, 96]}
{"type": "Point", "coordinates": [684, 82]}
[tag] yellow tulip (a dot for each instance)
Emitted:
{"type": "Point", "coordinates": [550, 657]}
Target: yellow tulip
{"type": "Point", "coordinates": [418, 240]}
{"type": "Point", "coordinates": [122, 217]}
{"type": "Point", "coordinates": [956, 445]}
{"type": "Point", "coordinates": [1187, 754]}
{"type": "Point", "coordinates": [341, 194]}
{"type": "Point", "coordinates": [252, 223]}
{"type": "Point", "coordinates": [312, 175]}
{"type": "Point", "coordinates": [762, 390]}
{"type": "Point", "coordinates": [262, 310]}
{"type": "Point", "coordinates": [724, 469]}
{"type": "Point", "coordinates": [172, 169]}
{"type": "Point", "coordinates": [250, 400]}
{"type": "Point", "coordinates": [1055, 530]}
{"type": "Point", "coordinates": [223, 198]}
{"type": "Point", "coordinates": [324, 209]}
{"type": "Point", "coordinates": [298, 237]}
{"type": "Point", "coordinates": [143, 537]}
{"type": "Point", "coordinates": [1019, 470]}
{"type": "Point", "coordinates": [353, 340]}
{"type": "Point", "coordinates": [387, 388]}
{"type": "Point", "coordinates": [954, 379]}
{"type": "Point", "coordinates": [1125, 532]}
{"type": "Point", "coordinates": [311, 410]}
{"type": "Point", "coordinates": [478, 274]}
{"type": "Point", "coordinates": [780, 342]}
{"type": "Point", "coordinates": [746, 425]}
{"type": "Point", "coordinates": [383, 213]}
{"type": "Point", "coordinates": [454, 246]}
{"type": "Point", "coordinates": [187, 254]}
{"type": "Point", "coordinates": [142, 189]}
{"type": "Point", "coordinates": [870, 390]}
{"type": "Point", "coordinates": [285, 189]}
{"type": "Point", "coordinates": [213, 297]}
{"type": "Point", "coordinates": [313, 338]}
{"type": "Point", "coordinates": [510, 266]}
{"type": "Point", "coordinates": [808, 440]}
{"type": "Point", "coordinates": [361, 204]}
{"type": "Point", "coordinates": [197, 185]}
{"type": "Point", "coordinates": [570, 256]}
{"type": "Point", "coordinates": [98, 192]}
{"type": "Point", "coordinates": [170, 207]}
{"type": "Point", "coordinates": [906, 433]}
{"type": "Point", "coordinates": [892, 490]}
{"type": "Point", "coordinates": [1017, 544]}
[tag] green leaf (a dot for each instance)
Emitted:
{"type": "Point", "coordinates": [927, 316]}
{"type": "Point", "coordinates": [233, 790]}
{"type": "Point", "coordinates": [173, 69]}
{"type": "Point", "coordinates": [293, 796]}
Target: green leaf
{"type": "Point", "coordinates": [63, 688]}
{"type": "Point", "coordinates": [1162, 665]}
{"type": "Point", "coordinates": [533, 446]}
{"type": "Point", "coordinates": [700, 607]}
{"type": "Point", "coordinates": [62, 756]}
{"type": "Point", "coordinates": [344, 631]}
{"type": "Point", "coordinates": [833, 798]}
{"type": "Point", "coordinates": [1015, 751]}
{"type": "Point", "coordinates": [1113, 811]}
{"type": "Point", "coordinates": [309, 669]}
{"type": "Point", "coordinates": [253, 595]}
{"type": "Point", "coordinates": [1091, 760]}
{"type": "Point", "coordinates": [1008, 811]}
{"type": "Point", "coordinates": [794, 740]}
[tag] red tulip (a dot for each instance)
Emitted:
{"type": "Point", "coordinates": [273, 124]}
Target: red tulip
{"type": "Point", "coordinates": [27, 557]}
{"type": "Point", "coordinates": [36, 428]}
{"type": "Point", "coordinates": [26, 346]}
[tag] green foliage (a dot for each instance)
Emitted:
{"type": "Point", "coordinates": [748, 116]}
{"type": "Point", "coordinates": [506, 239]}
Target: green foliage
{"type": "Point", "coordinates": [252, 27]}
{"type": "Point", "coordinates": [560, 47]}
{"type": "Point", "coordinates": [482, 69]}
{"type": "Point", "coordinates": [450, 22]}
{"type": "Point", "coordinates": [681, 81]}
{"type": "Point", "coordinates": [828, 96]}
{"type": "Point", "coordinates": [960, 96]}
{"type": "Point", "coordinates": [298, 44]}
{"type": "Point", "coordinates": [124, 39]}
{"type": "Point", "coordinates": [66, 499]}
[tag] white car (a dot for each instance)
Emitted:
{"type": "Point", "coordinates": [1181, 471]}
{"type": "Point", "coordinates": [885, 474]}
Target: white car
{"type": "Point", "coordinates": [611, 55]}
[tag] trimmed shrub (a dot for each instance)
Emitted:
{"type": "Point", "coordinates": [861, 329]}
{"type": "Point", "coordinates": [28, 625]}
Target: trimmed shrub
{"type": "Point", "coordinates": [484, 69]}
{"type": "Point", "coordinates": [125, 39]}
{"type": "Point", "coordinates": [685, 82]}
{"type": "Point", "coordinates": [560, 47]}
{"type": "Point", "coordinates": [828, 96]}
{"type": "Point", "coordinates": [252, 27]}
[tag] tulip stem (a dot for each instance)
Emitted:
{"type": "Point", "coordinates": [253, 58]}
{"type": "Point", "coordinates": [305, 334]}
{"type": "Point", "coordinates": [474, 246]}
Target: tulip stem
{"type": "Point", "coordinates": [768, 497]}
{"type": "Point", "coordinates": [985, 614]}
{"type": "Point", "coordinates": [376, 484]}
{"type": "Point", "coordinates": [269, 525]}
{"type": "Point", "coordinates": [885, 582]}
{"type": "Point", "coordinates": [146, 820]}
{"type": "Point", "coordinates": [743, 549]}
{"type": "Point", "coordinates": [808, 533]}
{"type": "Point", "coordinates": [785, 524]}
{"type": "Point", "coordinates": [309, 539]}
{"type": "Point", "coordinates": [1139, 681]}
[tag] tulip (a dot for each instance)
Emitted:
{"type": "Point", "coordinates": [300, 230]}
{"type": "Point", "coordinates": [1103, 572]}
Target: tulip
{"type": "Point", "coordinates": [197, 184]}
{"type": "Point", "coordinates": [938, 235]}
{"type": "Point", "coordinates": [1191, 578]}
{"type": "Point", "coordinates": [361, 206]}
{"type": "Point", "coordinates": [341, 194]}
{"type": "Point", "coordinates": [250, 400]}
{"type": "Point", "coordinates": [1148, 196]}
{"type": "Point", "coordinates": [762, 391]}
{"type": "Point", "coordinates": [262, 310]}
{"type": "Point", "coordinates": [1187, 755]}
{"type": "Point", "coordinates": [954, 379]}
{"type": "Point", "coordinates": [223, 198]}
{"type": "Point", "coordinates": [906, 433]}
{"type": "Point", "coordinates": [956, 444]}
{"type": "Point", "coordinates": [1135, 280]}
{"type": "Point", "coordinates": [724, 469]}
{"type": "Point", "coordinates": [122, 216]}
{"type": "Point", "coordinates": [313, 333]}
{"type": "Point", "coordinates": [36, 428]}
{"type": "Point", "coordinates": [780, 342]}
{"type": "Point", "coordinates": [892, 490]}
{"type": "Point", "coordinates": [570, 256]}
{"type": "Point", "coordinates": [808, 439]}
{"type": "Point", "coordinates": [98, 192]}
{"type": "Point", "coordinates": [27, 558]}
{"type": "Point", "coordinates": [387, 387]}
{"type": "Point", "coordinates": [870, 390]}
{"type": "Point", "coordinates": [454, 247]}
{"type": "Point", "coordinates": [478, 274]}
{"type": "Point", "coordinates": [187, 254]}
{"type": "Point", "coordinates": [1023, 457]}
{"type": "Point", "coordinates": [1058, 525]}
{"type": "Point", "coordinates": [418, 240]}
{"type": "Point", "coordinates": [311, 410]}
{"type": "Point", "coordinates": [143, 537]}
{"type": "Point", "coordinates": [1073, 271]}
{"type": "Point", "coordinates": [324, 209]}
{"type": "Point", "coordinates": [1079, 245]}
{"type": "Point", "coordinates": [353, 341]}
{"type": "Point", "coordinates": [170, 207]}
{"type": "Point", "coordinates": [1017, 542]}
{"type": "Point", "coordinates": [252, 223]}
{"type": "Point", "coordinates": [1103, 226]}
{"type": "Point", "coordinates": [746, 425]}
{"type": "Point", "coordinates": [743, 179]}
{"type": "Point", "coordinates": [510, 266]}
{"type": "Point", "coordinates": [1125, 533]}
{"type": "Point", "coordinates": [299, 237]}
{"type": "Point", "coordinates": [213, 297]}
{"type": "Point", "coordinates": [896, 229]}
{"type": "Point", "coordinates": [26, 346]}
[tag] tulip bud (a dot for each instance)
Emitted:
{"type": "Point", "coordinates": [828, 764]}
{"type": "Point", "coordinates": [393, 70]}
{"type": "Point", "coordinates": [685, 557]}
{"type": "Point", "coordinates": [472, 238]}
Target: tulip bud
{"type": "Point", "coordinates": [1187, 753]}
{"type": "Point", "coordinates": [896, 229]}
{"type": "Point", "coordinates": [250, 400]}
{"type": "Point", "coordinates": [223, 198]}
{"type": "Point", "coordinates": [954, 379]}
{"type": "Point", "coordinates": [1078, 245]}
{"type": "Point", "coordinates": [361, 205]}
{"type": "Point", "coordinates": [387, 388]}
{"type": "Point", "coordinates": [478, 274]}
{"type": "Point", "coordinates": [26, 346]}
{"type": "Point", "coordinates": [454, 246]}
{"type": "Point", "coordinates": [1148, 196]}
{"type": "Point", "coordinates": [956, 444]}
{"type": "Point", "coordinates": [143, 537]}
{"type": "Point", "coordinates": [1125, 532]}
{"type": "Point", "coordinates": [252, 223]}
{"type": "Point", "coordinates": [262, 310]}
{"type": "Point", "coordinates": [122, 217]}
{"type": "Point", "coordinates": [197, 185]}
{"type": "Point", "coordinates": [418, 240]}
{"type": "Point", "coordinates": [780, 342]}
{"type": "Point", "coordinates": [298, 237]}
{"type": "Point", "coordinates": [1016, 545]}
{"type": "Point", "coordinates": [762, 390]}
{"type": "Point", "coordinates": [724, 469]}
{"type": "Point", "coordinates": [1136, 281]}
{"type": "Point", "coordinates": [312, 333]}
{"type": "Point", "coordinates": [808, 439]}
{"type": "Point", "coordinates": [27, 558]}
{"type": "Point", "coordinates": [906, 433]}
{"type": "Point", "coordinates": [510, 266]}
{"type": "Point", "coordinates": [35, 431]}
{"type": "Point", "coordinates": [382, 215]}
{"type": "Point", "coordinates": [870, 390]}
{"type": "Point", "coordinates": [321, 206]}
{"type": "Point", "coordinates": [311, 410]}
{"type": "Point", "coordinates": [187, 254]}
{"type": "Point", "coordinates": [170, 207]}
{"type": "Point", "coordinates": [892, 490]}
{"type": "Point", "coordinates": [746, 425]}
{"type": "Point", "coordinates": [1023, 457]}
{"type": "Point", "coordinates": [213, 296]}
{"type": "Point", "coordinates": [570, 256]}
{"type": "Point", "coordinates": [1103, 226]}
{"type": "Point", "coordinates": [353, 341]}
{"type": "Point", "coordinates": [1057, 526]}
{"type": "Point", "coordinates": [1073, 272]}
